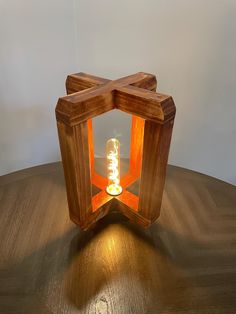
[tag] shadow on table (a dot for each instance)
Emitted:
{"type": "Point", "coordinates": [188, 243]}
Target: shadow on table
{"type": "Point", "coordinates": [119, 265]}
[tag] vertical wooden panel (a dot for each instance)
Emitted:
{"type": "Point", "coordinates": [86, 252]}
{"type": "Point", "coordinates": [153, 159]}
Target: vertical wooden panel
{"type": "Point", "coordinates": [65, 134]}
{"type": "Point", "coordinates": [75, 158]}
{"type": "Point", "coordinates": [136, 145]}
{"type": "Point", "coordinates": [91, 145]}
{"type": "Point", "coordinates": [155, 155]}
{"type": "Point", "coordinates": [83, 169]}
{"type": "Point", "coordinates": [136, 148]}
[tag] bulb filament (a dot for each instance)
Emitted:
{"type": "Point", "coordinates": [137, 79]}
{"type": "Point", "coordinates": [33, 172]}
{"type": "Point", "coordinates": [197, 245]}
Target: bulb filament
{"type": "Point", "coordinates": [113, 167]}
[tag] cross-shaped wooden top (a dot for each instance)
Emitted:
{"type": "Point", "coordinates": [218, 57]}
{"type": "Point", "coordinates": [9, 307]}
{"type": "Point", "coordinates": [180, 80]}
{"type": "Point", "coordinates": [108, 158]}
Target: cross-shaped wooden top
{"type": "Point", "coordinates": [152, 122]}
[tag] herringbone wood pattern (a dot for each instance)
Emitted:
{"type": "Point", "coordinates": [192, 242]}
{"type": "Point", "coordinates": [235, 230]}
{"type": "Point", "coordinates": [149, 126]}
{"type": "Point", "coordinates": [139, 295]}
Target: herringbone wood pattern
{"type": "Point", "coordinates": [184, 263]}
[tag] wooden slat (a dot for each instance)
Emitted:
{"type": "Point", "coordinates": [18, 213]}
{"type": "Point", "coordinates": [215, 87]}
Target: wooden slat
{"type": "Point", "coordinates": [128, 179]}
{"type": "Point", "coordinates": [99, 181]}
{"type": "Point", "coordinates": [75, 158]}
{"type": "Point", "coordinates": [128, 199]}
{"type": "Point", "coordinates": [140, 79]}
{"type": "Point", "coordinates": [92, 96]}
{"type": "Point", "coordinates": [101, 199]}
{"type": "Point", "coordinates": [136, 145]}
{"type": "Point", "coordinates": [65, 133]}
{"type": "Point", "coordinates": [91, 146]}
{"type": "Point", "coordinates": [156, 145]}
{"type": "Point", "coordinates": [148, 82]}
{"type": "Point", "coordinates": [131, 214]}
{"type": "Point", "coordinates": [80, 81]}
{"type": "Point", "coordinates": [82, 106]}
{"type": "Point", "coordinates": [145, 104]}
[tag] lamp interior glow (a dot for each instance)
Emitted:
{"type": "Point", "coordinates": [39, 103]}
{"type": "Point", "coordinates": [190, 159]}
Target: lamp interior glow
{"type": "Point", "coordinates": [113, 167]}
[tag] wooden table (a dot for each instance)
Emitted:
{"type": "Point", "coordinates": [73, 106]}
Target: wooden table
{"type": "Point", "coordinates": [184, 263]}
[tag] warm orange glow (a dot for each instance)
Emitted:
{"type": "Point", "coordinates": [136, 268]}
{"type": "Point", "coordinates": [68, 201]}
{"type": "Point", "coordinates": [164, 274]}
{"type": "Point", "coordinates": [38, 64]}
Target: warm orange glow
{"type": "Point", "coordinates": [113, 167]}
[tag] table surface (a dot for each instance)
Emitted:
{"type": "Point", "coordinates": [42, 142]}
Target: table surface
{"type": "Point", "coordinates": [184, 263]}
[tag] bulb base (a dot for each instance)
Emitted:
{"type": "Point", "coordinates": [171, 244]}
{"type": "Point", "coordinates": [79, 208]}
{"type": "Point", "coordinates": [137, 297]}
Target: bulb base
{"type": "Point", "coordinates": [114, 189]}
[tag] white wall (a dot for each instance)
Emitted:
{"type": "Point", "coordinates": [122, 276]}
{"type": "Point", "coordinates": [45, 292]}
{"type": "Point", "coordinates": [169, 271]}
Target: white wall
{"type": "Point", "coordinates": [37, 51]}
{"type": "Point", "coordinates": [190, 46]}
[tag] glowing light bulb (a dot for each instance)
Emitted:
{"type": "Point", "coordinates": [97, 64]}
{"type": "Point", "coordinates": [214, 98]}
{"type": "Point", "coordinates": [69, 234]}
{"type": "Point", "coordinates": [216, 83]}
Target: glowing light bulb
{"type": "Point", "coordinates": [113, 167]}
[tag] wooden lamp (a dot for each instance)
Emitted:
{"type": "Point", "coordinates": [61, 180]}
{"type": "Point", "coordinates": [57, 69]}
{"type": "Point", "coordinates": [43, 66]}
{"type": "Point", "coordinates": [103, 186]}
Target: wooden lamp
{"type": "Point", "coordinates": [152, 123]}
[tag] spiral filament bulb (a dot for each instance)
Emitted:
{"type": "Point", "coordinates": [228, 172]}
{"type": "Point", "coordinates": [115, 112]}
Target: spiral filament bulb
{"type": "Point", "coordinates": [113, 167]}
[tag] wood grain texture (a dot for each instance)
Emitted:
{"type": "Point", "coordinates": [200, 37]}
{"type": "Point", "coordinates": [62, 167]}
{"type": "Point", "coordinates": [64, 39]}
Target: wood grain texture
{"type": "Point", "coordinates": [75, 155]}
{"type": "Point", "coordinates": [91, 146]}
{"type": "Point", "coordinates": [84, 209]}
{"type": "Point", "coordinates": [136, 145]}
{"type": "Point", "coordinates": [152, 115]}
{"type": "Point", "coordinates": [156, 146]}
{"type": "Point", "coordinates": [80, 81]}
{"type": "Point", "coordinates": [184, 263]}
{"type": "Point", "coordinates": [145, 104]}
{"type": "Point", "coordinates": [82, 106]}
{"type": "Point", "coordinates": [90, 96]}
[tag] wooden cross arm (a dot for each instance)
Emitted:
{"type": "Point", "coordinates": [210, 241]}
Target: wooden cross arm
{"type": "Point", "coordinates": [146, 104]}
{"type": "Point", "coordinates": [84, 105]}
{"type": "Point", "coordinates": [97, 96]}
{"type": "Point", "coordinates": [80, 81]}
